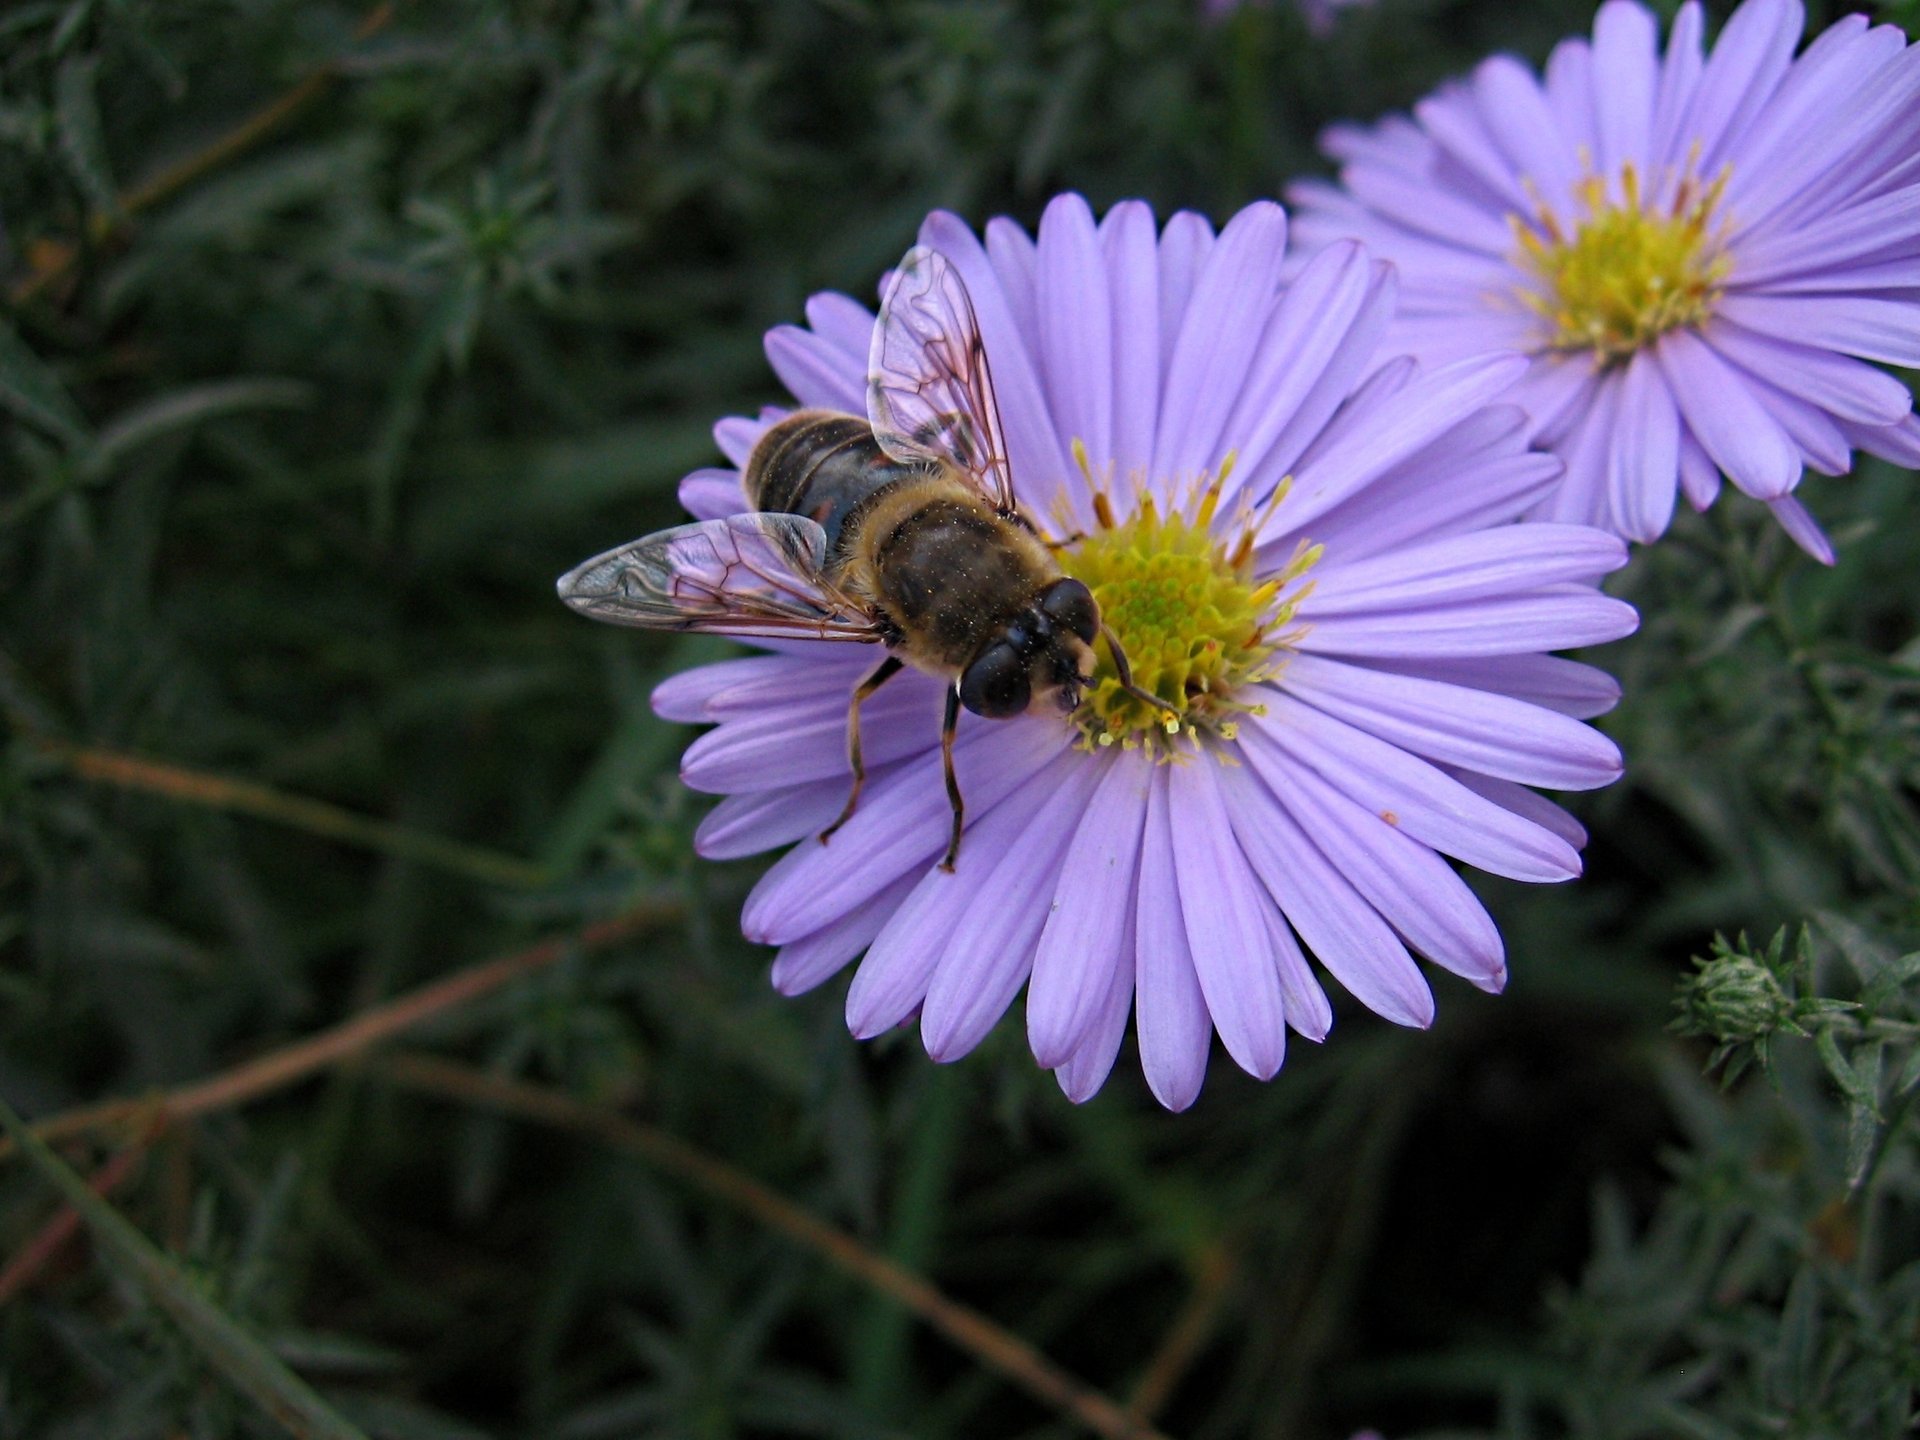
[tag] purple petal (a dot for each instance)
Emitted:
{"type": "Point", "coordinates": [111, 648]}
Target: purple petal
{"type": "Point", "coordinates": [1133, 274]}
{"type": "Point", "coordinates": [1081, 945]}
{"type": "Point", "coordinates": [1345, 933]}
{"type": "Point", "coordinates": [1076, 326]}
{"type": "Point", "coordinates": [1518, 116]}
{"type": "Point", "coordinates": [815, 371]}
{"type": "Point", "coordinates": [1730, 423]}
{"type": "Point", "coordinates": [1224, 905]}
{"type": "Point", "coordinates": [1884, 225]}
{"type": "Point", "coordinates": [843, 323]}
{"type": "Point", "coordinates": [1403, 791]}
{"type": "Point", "coordinates": [1644, 461]}
{"type": "Point", "coordinates": [684, 697]}
{"type": "Point", "coordinates": [1309, 1013]}
{"type": "Point", "coordinates": [1802, 528]}
{"type": "Point", "coordinates": [1416, 891]}
{"type": "Point", "coordinates": [808, 741]}
{"type": "Point", "coordinates": [736, 436]}
{"type": "Point", "coordinates": [1524, 803]}
{"type": "Point", "coordinates": [1184, 247]}
{"type": "Point", "coordinates": [901, 825]}
{"type": "Point", "coordinates": [1232, 296]}
{"type": "Point", "coordinates": [1564, 685]}
{"type": "Point", "coordinates": [1459, 726]}
{"type": "Point", "coordinates": [1699, 477]}
{"type": "Point", "coordinates": [1875, 329]}
{"type": "Point", "coordinates": [1848, 388]}
{"type": "Point", "coordinates": [989, 950]}
{"type": "Point", "coordinates": [1679, 79]}
{"type": "Point", "coordinates": [1482, 565]}
{"type": "Point", "coordinates": [1014, 257]}
{"type": "Point", "coordinates": [1625, 75]}
{"type": "Point", "coordinates": [712, 494]}
{"type": "Point", "coordinates": [760, 820]}
{"type": "Point", "coordinates": [1087, 1069]}
{"type": "Point", "coordinates": [1430, 406]}
{"type": "Point", "coordinates": [799, 967]}
{"type": "Point", "coordinates": [1748, 59]}
{"type": "Point", "coordinates": [1560, 617]}
{"type": "Point", "coordinates": [892, 981]}
{"type": "Point", "coordinates": [1170, 1010]}
{"type": "Point", "coordinates": [1308, 332]}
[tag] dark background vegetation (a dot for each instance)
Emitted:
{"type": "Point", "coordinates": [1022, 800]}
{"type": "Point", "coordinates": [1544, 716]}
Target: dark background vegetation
{"type": "Point", "coordinates": [299, 417]}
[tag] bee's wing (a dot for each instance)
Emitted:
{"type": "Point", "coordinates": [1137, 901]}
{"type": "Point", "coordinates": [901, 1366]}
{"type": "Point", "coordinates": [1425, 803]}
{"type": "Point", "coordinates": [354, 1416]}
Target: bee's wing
{"type": "Point", "coordinates": [758, 575]}
{"type": "Point", "coordinates": [929, 395]}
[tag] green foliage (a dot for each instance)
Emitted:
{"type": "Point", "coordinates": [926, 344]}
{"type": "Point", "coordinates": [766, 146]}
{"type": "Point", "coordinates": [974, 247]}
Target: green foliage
{"type": "Point", "coordinates": [302, 410]}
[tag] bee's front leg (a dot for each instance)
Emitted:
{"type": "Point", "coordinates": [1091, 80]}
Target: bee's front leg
{"type": "Point", "coordinates": [947, 726]}
{"type": "Point", "coordinates": [884, 672]}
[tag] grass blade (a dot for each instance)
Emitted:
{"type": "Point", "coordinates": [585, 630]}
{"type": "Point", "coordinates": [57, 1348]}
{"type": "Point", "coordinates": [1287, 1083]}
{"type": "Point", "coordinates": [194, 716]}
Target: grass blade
{"type": "Point", "coordinates": [230, 1349]}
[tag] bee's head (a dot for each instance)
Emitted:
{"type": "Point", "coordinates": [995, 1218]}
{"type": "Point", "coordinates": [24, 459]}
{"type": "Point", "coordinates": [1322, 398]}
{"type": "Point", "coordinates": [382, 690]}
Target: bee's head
{"type": "Point", "coordinates": [1046, 652]}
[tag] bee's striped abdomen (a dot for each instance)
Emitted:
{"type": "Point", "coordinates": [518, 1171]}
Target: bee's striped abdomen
{"type": "Point", "coordinates": [824, 466]}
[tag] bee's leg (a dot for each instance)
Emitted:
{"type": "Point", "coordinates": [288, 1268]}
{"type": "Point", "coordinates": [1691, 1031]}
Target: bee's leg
{"type": "Point", "coordinates": [884, 672]}
{"type": "Point", "coordinates": [947, 725]}
{"type": "Point", "coordinates": [1123, 672]}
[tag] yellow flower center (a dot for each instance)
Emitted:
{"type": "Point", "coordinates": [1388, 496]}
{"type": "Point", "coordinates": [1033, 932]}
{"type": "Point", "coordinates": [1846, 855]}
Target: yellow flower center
{"type": "Point", "coordinates": [1196, 624]}
{"type": "Point", "coordinates": [1623, 274]}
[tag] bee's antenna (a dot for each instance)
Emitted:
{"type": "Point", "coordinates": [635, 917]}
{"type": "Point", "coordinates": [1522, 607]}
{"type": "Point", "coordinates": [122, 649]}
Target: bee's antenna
{"type": "Point", "coordinates": [1123, 672]}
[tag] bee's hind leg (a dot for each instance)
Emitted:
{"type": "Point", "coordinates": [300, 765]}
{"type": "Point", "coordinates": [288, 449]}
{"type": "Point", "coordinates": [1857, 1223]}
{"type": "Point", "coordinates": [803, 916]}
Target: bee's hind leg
{"type": "Point", "coordinates": [882, 673]}
{"type": "Point", "coordinates": [947, 725]}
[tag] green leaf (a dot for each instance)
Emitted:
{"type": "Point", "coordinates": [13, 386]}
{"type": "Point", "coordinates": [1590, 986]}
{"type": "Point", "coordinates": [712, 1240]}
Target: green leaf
{"type": "Point", "coordinates": [29, 388]}
{"type": "Point", "coordinates": [230, 1349]}
{"type": "Point", "coordinates": [182, 409]}
{"type": "Point", "coordinates": [78, 115]}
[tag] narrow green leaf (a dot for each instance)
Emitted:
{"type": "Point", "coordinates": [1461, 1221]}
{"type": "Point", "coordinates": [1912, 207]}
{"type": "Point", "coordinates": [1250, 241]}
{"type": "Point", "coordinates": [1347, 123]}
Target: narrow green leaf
{"type": "Point", "coordinates": [31, 390]}
{"type": "Point", "coordinates": [1795, 1359]}
{"type": "Point", "coordinates": [181, 409]}
{"type": "Point", "coordinates": [1863, 1134]}
{"type": "Point", "coordinates": [77, 113]}
{"type": "Point", "coordinates": [1837, 1064]}
{"type": "Point", "coordinates": [226, 1346]}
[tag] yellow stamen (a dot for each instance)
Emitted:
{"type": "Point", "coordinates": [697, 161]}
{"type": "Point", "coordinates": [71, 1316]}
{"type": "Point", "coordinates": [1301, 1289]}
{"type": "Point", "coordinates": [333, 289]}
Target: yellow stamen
{"type": "Point", "coordinates": [1198, 627]}
{"type": "Point", "coordinates": [1629, 271]}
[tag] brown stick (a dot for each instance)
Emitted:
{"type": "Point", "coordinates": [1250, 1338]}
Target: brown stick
{"type": "Point", "coordinates": [994, 1347]}
{"type": "Point", "coordinates": [299, 812]}
{"type": "Point", "coordinates": [34, 1256]}
{"type": "Point", "coordinates": [1184, 1338]}
{"type": "Point", "coordinates": [176, 177]}
{"type": "Point", "coordinates": [279, 1068]}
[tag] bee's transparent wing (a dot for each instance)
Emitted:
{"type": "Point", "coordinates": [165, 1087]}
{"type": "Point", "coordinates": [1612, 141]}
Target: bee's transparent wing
{"type": "Point", "coordinates": [758, 576]}
{"type": "Point", "coordinates": [929, 395]}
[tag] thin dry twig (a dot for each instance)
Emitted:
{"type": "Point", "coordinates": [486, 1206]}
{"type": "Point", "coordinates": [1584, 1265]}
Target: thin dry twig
{"type": "Point", "coordinates": [33, 1257]}
{"type": "Point", "coordinates": [59, 258]}
{"type": "Point", "coordinates": [280, 1068]}
{"type": "Point", "coordinates": [992, 1346]}
{"type": "Point", "coordinates": [299, 812]}
{"type": "Point", "coordinates": [1184, 1339]}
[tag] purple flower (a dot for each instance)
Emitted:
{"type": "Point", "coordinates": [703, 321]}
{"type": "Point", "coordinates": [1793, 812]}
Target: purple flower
{"type": "Point", "coordinates": [1312, 550]}
{"type": "Point", "coordinates": [1698, 253]}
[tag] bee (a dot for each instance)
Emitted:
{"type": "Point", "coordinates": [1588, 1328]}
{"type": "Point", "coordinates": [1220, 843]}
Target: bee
{"type": "Point", "coordinates": [901, 529]}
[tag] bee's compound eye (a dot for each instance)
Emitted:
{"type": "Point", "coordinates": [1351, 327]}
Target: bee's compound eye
{"type": "Point", "coordinates": [996, 684]}
{"type": "Point", "coordinates": [1069, 604]}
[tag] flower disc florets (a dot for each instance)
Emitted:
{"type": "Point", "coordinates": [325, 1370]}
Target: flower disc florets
{"type": "Point", "coordinates": [1197, 625]}
{"type": "Point", "coordinates": [1629, 271]}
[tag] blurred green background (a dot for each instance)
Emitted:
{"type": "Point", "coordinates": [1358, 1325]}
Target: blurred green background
{"type": "Point", "coordinates": [332, 335]}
